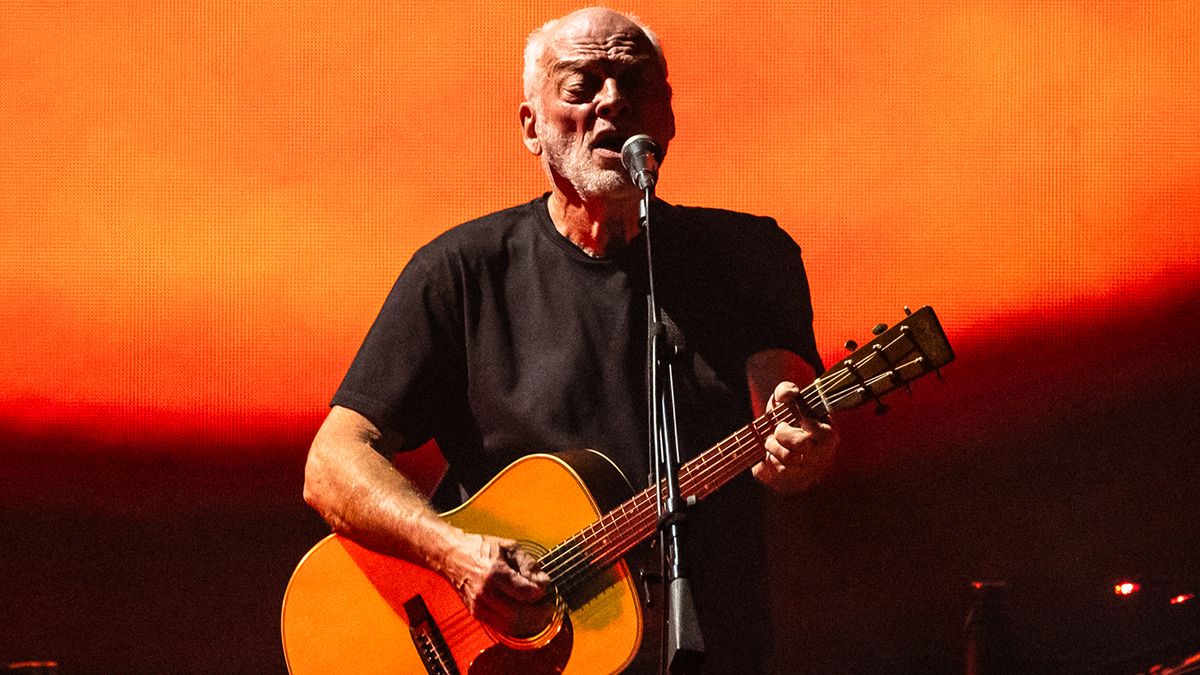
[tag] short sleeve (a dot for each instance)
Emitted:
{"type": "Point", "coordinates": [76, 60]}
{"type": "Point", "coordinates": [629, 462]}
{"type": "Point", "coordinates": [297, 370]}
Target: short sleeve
{"type": "Point", "coordinates": [785, 304]}
{"type": "Point", "coordinates": [408, 361]}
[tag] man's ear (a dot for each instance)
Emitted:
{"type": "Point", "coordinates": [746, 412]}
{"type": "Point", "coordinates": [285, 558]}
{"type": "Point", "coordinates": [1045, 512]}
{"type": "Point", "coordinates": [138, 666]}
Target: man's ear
{"type": "Point", "coordinates": [529, 128]}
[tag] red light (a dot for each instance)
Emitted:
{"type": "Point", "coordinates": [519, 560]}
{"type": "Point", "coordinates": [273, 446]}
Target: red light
{"type": "Point", "coordinates": [1180, 599]}
{"type": "Point", "coordinates": [1127, 588]}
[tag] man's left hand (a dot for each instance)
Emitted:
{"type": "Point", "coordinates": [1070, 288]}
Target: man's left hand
{"type": "Point", "coordinates": [797, 456]}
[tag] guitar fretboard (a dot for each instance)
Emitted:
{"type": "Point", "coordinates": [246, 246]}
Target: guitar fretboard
{"type": "Point", "coordinates": [899, 356]}
{"type": "Point", "coordinates": [618, 531]}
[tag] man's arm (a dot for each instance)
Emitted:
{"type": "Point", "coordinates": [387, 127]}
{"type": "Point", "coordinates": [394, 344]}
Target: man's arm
{"type": "Point", "coordinates": [797, 456]}
{"type": "Point", "coordinates": [358, 492]}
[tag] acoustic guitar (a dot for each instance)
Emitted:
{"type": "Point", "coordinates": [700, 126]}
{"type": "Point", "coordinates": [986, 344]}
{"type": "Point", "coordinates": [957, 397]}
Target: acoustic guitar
{"type": "Point", "coordinates": [348, 609]}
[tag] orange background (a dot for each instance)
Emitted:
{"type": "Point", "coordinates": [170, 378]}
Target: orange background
{"type": "Point", "coordinates": [205, 203]}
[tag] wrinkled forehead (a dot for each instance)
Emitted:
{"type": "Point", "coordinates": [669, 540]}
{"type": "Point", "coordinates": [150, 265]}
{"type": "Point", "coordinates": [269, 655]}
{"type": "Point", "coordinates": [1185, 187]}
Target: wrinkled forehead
{"type": "Point", "coordinates": [608, 37]}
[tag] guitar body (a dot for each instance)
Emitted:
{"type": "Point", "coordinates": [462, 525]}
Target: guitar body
{"type": "Point", "coordinates": [348, 609]}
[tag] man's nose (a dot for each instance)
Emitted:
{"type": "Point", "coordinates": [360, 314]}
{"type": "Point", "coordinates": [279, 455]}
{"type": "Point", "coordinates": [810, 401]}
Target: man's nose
{"type": "Point", "coordinates": [611, 101]}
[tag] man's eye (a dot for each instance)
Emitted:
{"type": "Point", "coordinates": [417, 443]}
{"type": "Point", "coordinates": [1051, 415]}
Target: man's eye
{"type": "Point", "coordinates": [580, 86]}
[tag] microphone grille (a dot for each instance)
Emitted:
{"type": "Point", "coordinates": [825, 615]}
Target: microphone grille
{"type": "Point", "coordinates": [640, 144]}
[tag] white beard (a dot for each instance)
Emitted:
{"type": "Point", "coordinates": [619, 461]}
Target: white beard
{"type": "Point", "coordinates": [575, 164]}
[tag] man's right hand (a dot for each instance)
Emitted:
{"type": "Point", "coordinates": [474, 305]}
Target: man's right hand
{"type": "Point", "coordinates": [362, 496]}
{"type": "Point", "coordinates": [501, 584]}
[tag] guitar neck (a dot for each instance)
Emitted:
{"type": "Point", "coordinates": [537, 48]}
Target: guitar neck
{"type": "Point", "coordinates": [618, 531]}
{"type": "Point", "coordinates": [914, 347]}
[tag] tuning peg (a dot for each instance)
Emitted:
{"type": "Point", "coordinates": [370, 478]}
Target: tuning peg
{"type": "Point", "coordinates": [850, 345]}
{"type": "Point", "coordinates": [907, 311]}
{"type": "Point", "coordinates": [879, 329]}
{"type": "Point", "coordinates": [881, 408]}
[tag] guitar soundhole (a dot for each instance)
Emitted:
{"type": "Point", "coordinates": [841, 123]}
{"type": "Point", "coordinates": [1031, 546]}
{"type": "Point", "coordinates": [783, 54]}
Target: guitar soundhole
{"type": "Point", "coordinates": [544, 660]}
{"type": "Point", "coordinates": [544, 653]}
{"type": "Point", "coordinates": [544, 636]}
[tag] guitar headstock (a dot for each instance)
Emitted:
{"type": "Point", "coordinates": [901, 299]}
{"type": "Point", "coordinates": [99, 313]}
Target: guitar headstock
{"type": "Point", "coordinates": [905, 352]}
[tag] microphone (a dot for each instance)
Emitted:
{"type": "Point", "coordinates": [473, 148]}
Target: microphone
{"type": "Point", "coordinates": [641, 155]}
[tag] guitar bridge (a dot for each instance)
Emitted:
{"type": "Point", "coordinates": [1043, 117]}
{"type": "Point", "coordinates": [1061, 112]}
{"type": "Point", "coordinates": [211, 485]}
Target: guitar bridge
{"type": "Point", "coordinates": [431, 646]}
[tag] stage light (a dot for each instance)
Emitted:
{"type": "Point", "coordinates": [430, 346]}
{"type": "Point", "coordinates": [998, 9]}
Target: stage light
{"type": "Point", "coordinates": [1127, 588]}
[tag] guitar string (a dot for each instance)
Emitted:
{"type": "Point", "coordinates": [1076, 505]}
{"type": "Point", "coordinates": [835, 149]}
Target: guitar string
{"type": "Point", "coordinates": [734, 443]}
{"type": "Point", "coordinates": [462, 623]}
{"type": "Point", "coordinates": [699, 474]}
{"type": "Point", "coordinates": [730, 466]}
{"type": "Point", "coordinates": [730, 453]}
{"type": "Point", "coordinates": [441, 661]}
{"type": "Point", "coordinates": [731, 460]}
{"type": "Point", "coordinates": [584, 552]}
{"type": "Point", "coordinates": [586, 556]}
{"type": "Point", "coordinates": [633, 508]}
{"type": "Point", "coordinates": [696, 477]}
{"type": "Point", "coordinates": [556, 556]}
{"type": "Point", "coordinates": [591, 558]}
{"type": "Point", "coordinates": [551, 558]}
{"type": "Point", "coordinates": [708, 466]}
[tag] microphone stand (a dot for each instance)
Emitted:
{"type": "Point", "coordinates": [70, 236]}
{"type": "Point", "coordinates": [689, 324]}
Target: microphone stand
{"type": "Point", "coordinates": [683, 651]}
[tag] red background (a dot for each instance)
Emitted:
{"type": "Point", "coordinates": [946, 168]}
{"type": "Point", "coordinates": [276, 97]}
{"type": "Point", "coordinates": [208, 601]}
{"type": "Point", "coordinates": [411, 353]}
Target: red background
{"type": "Point", "coordinates": [204, 203]}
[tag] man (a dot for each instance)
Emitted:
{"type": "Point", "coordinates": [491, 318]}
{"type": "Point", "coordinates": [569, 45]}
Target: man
{"type": "Point", "coordinates": [524, 331]}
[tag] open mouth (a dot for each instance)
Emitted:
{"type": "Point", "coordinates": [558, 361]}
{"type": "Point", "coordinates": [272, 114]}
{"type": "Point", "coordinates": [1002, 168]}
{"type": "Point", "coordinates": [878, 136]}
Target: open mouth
{"type": "Point", "coordinates": [610, 142]}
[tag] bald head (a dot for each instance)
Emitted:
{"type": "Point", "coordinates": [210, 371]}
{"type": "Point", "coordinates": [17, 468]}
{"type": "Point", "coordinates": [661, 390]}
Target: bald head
{"type": "Point", "coordinates": [593, 79]}
{"type": "Point", "coordinates": [589, 19]}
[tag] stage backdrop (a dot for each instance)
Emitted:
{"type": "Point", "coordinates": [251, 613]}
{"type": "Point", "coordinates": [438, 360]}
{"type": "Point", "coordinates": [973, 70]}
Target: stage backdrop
{"type": "Point", "coordinates": [203, 204]}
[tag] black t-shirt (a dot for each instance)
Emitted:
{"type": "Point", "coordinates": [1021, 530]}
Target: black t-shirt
{"type": "Point", "coordinates": [501, 338]}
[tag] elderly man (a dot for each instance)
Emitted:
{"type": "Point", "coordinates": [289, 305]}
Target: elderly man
{"type": "Point", "coordinates": [524, 331]}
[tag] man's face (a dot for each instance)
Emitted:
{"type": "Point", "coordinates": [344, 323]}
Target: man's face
{"type": "Point", "coordinates": [601, 82]}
